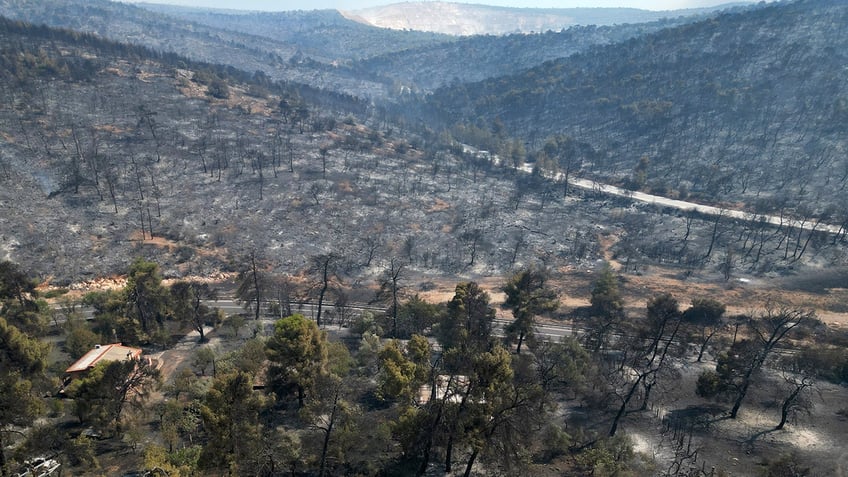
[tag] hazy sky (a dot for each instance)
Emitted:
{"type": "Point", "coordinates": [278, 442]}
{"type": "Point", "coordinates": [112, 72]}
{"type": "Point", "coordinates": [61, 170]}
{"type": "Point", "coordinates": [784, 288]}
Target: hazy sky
{"type": "Point", "coordinates": [278, 5]}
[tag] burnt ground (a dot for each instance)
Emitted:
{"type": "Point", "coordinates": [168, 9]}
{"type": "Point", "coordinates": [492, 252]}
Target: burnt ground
{"type": "Point", "coordinates": [741, 446]}
{"type": "Point", "coordinates": [736, 447]}
{"type": "Point", "coordinates": [447, 216]}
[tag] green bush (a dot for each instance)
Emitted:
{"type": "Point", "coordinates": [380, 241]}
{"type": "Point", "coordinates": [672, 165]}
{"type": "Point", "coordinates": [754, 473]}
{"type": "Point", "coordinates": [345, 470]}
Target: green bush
{"type": "Point", "coordinates": [556, 443]}
{"type": "Point", "coordinates": [54, 293]}
{"type": "Point", "coordinates": [709, 384]}
{"type": "Point", "coordinates": [218, 88]}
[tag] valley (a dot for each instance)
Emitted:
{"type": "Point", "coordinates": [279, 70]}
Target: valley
{"type": "Point", "coordinates": [613, 249]}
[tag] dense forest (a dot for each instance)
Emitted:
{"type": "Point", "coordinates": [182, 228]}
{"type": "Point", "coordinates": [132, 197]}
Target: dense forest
{"type": "Point", "coordinates": [746, 107]}
{"type": "Point", "coordinates": [320, 281]}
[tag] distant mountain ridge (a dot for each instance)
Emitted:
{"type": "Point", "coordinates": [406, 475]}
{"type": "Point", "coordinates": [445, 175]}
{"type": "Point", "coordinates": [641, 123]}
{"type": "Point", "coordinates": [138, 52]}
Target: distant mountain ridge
{"type": "Point", "coordinates": [404, 61]}
{"type": "Point", "coordinates": [478, 57]}
{"type": "Point", "coordinates": [324, 35]}
{"type": "Point", "coordinates": [464, 19]}
{"type": "Point", "coordinates": [309, 62]}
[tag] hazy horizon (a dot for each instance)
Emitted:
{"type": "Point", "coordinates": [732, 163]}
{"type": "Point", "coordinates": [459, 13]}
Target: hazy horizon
{"type": "Point", "coordinates": [277, 5]}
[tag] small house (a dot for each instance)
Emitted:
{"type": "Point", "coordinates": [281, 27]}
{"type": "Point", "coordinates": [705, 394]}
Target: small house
{"type": "Point", "coordinates": [105, 353]}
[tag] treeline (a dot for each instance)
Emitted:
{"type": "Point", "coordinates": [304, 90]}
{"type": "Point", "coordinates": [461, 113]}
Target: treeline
{"type": "Point", "coordinates": [419, 387]}
{"type": "Point", "coordinates": [325, 35]}
{"type": "Point", "coordinates": [81, 39]}
{"type": "Point", "coordinates": [42, 58]}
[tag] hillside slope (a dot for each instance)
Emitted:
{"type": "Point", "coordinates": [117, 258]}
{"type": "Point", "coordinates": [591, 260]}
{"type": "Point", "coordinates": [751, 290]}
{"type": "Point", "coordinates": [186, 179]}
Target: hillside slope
{"type": "Point", "coordinates": [113, 152]}
{"type": "Point", "coordinates": [324, 35]}
{"type": "Point", "coordinates": [321, 48]}
{"type": "Point", "coordinates": [411, 60]}
{"type": "Point", "coordinates": [476, 58]}
{"type": "Point", "coordinates": [122, 22]}
{"type": "Point", "coordinates": [748, 107]}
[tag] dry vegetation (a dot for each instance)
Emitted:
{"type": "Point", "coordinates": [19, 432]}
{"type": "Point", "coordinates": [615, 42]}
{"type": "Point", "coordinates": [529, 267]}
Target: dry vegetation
{"type": "Point", "coordinates": [213, 177]}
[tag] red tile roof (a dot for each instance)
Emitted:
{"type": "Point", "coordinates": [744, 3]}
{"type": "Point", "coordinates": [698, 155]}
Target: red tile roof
{"type": "Point", "coordinates": [109, 352]}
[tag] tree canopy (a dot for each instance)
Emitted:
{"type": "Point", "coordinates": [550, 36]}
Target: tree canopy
{"type": "Point", "coordinates": [298, 354]}
{"type": "Point", "coordinates": [146, 297]}
{"type": "Point", "coordinates": [101, 396]}
{"type": "Point", "coordinates": [528, 295]}
{"type": "Point", "coordinates": [467, 325]}
{"type": "Point", "coordinates": [22, 360]}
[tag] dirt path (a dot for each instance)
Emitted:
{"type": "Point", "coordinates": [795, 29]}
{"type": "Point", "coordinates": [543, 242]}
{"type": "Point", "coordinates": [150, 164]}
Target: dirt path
{"type": "Point", "coordinates": [739, 296]}
{"type": "Point", "coordinates": [175, 358]}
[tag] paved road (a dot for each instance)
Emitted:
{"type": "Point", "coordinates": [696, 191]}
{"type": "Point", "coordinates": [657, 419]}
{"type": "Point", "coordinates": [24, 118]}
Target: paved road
{"type": "Point", "coordinates": [546, 330]}
{"type": "Point", "coordinates": [307, 309]}
{"type": "Point", "coordinates": [310, 310]}
{"type": "Point", "coordinates": [683, 205]}
{"type": "Point", "coordinates": [700, 208]}
{"type": "Point", "coordinates": [550, 331]}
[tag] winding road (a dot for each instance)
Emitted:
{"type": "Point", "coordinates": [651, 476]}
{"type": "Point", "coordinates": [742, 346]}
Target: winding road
{"type": "Point", "coordinates": [703, 209]}
{"type": "Point", "coordinates": [600, 188]}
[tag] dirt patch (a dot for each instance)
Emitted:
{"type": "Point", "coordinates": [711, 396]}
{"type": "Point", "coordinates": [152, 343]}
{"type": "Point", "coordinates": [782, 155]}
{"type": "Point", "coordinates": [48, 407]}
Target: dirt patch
{"type": "Point", "coordinates": [156, 241]}
{"type": "Point", "coordinates": [345, 186]}
{"type": "Point", "coordinates": [740, 296]}
{"type": "Point", "coordinates": [439, 206]}
{"type": "Point", "coordinates": [606, 243]}
{"type": "Point", "coordinates": [740, 445]}
{"type": "Point", "coordinates": [99, 284]}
